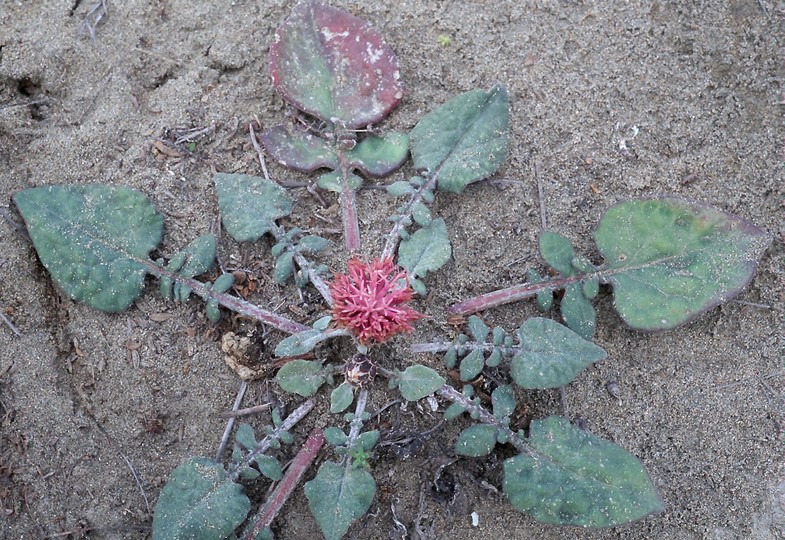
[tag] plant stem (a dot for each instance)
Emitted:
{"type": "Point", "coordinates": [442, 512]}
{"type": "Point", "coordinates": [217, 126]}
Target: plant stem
{"type": "Point", "coordinates": [286, 486]}
{"type": "Point", "coordinates": [444, 346]}
{"type": "Point", "coordinates": [510, 294]}
{"type": "Point", "coordinates": [238, 305]}
{"type": "Point", "coordinates": [356, 424]}
{"type": "Point", "coordinates": [394, 237]}
{"type": "Point", "coordinates": [482, 413]}
{"type": "Point", "coordinates": [351, 228]}
{"type": "Point", "coordinates": [291, 420]}
{"type": "Point", "coordinates": [483, 416]}
{"type": "Point", "coordinates": [306, 265]}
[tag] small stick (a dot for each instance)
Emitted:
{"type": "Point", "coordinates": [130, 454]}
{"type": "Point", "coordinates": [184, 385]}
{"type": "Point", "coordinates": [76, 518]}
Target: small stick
{"type": "Point", "coordinates": [230, 422]}
{"type": "Point", "coordinates": [284, 489]}
{"type": "Point", "coordinates": [246, 412]}
{"type": "Point", "coordinates": [10, 324]}
{"type": "Point", "coordinates": [540, 194]}
{"type": "Point", "coordinates": [259, 153]}
{"type": "Point", "coordinates": [751, 304]}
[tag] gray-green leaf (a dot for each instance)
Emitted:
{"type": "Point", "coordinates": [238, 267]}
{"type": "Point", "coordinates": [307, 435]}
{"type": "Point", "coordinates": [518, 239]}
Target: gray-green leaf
{"type": "Point", "coordinates": [464, 140]}
{"type": "Point", "coordinates": [476, 441]}
{"type": "Point", "coordinates": [93, 239]}
{"type": "Point", "coordinates": [199, 501]}
{"type": "Point", "coordinates": [572, 477]}
{"type": "Point", "coordinates": [472, 364]}
{"type": "Point", "coordinates": [557, 251]}
{"type": "Point", "coordinates": [552, 354]}
{"type": "Point", "coordinates": [426, 250]}
{"type": "Point", "coordinates": [419, 381]}
{"type": "Point", "coordinates": [341, 397]}
{"type": "Point", "coordinates": [250, 205]}
{"type": "Point", "coordinates": [269, 467]}
{"type": "Point", "coordinates": [301, 377]}
{"type": "Point", "coordinates": [579, 314]}
{"type": "Point", "coordinates": [338, 496]}
{"type": "Point", "coordinates": [300, 343]}
{"type": "Point", "coordinates": [670, 260]}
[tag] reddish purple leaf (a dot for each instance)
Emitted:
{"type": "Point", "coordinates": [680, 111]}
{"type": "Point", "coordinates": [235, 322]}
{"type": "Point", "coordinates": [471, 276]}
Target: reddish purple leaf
{"type": "Point", "coordinates": [334, 66]}
{"type": "Point", "coordinates": [299, 150]}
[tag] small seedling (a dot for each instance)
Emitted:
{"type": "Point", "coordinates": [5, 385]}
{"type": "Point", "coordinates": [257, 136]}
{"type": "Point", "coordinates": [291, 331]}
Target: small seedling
{"type": "Point", "coordinates": [667, 261]}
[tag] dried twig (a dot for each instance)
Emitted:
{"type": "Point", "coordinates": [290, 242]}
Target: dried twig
{"type": "Point", "coordinates": [246, 412]}
{"type": "Point", "coordinates": [541, 195]}
{"type": "Point", "coordinates": [10, 324]}
{"type": "Point", "coordinates": [230, 422]}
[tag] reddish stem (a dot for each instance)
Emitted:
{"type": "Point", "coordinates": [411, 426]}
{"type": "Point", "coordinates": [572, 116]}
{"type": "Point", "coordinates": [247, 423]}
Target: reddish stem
{"type": "Point", "coordinates": [351, 228]}
{"type": "Point", "coordinates": [284, 489]}
{"type": "Point", "coordinates": [510, 294]}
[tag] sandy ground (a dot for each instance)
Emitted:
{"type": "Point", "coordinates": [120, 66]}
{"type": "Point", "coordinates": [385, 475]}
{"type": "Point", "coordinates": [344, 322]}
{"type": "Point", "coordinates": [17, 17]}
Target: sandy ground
{"type": "Point", "coordinates": [609, 101]}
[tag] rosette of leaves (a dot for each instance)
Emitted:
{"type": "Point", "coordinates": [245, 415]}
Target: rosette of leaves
{"type": "Point", "coordinates": [667, 261]}
{"type": "Point", "coordinates": [342, 76]}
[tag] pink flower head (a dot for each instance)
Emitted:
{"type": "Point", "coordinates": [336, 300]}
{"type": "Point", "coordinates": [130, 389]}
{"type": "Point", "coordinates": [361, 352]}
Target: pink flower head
{"type": "Point", "coordinates": [370, 301]}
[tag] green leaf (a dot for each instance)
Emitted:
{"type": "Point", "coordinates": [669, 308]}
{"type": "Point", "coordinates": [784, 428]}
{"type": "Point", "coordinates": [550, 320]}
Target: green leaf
{"type": "Point", "coordinates": [472, 364]}
{"type": "Point", "coordinates": [199, 501]}
{"type": "Point", "coordinates": [400, 188]}
{"type": "Point", "coordinates": [335, 436]}
{"type": "Point", "coordinates": [341, 397]}
{"type": "Point", "coordinates": [426, 250]}
{"type": "Point", "coordinates": [454, 411]}
{"type": "Point", "coordinates": [93, 239]}
{"type": "Point", "coordinates": [284, 267]}
{"type": "Point", "coordinates": [199, 256]}
{"type": "Point", "coordinates": [478, 329]}
{"type": "Point", "coordinates": [552, 355]}
{"type": "Point", "coordinates": [332, 182]}
{"type": "Point", "coordinates": [572, 477]}
{"type": "Point", "coordinates": [503, 400]}
{"type": "Point", "coordinates": [250, 205]}
{"type": "Point", "coordinates": [301, 342]}
{"type": "Point", "coordinates": [476, 441]}
{"type": "Point", "coordinates": [245, 437]}
{"type": "Point", "coordinates": [368, 440]}
{"type": "Point", "coordinates": [494, 359]}
{"type": "Point", "coordinates": [464, 140]}
{"type": "Point", "coordinates": [379, 156]}
{"type": "Point", "coordinates": [418, 381]}
{"type": "Point", "coordinates": [338, 496]}
{"type": "Point", "coordinates": [334, 66]}
{"type": "Point", "coordinates": [223, 283]}
{"type": "Point", "coordinates": [670, 260]}
{"type": "Point", "coordinates": [578, 312]}
{"type": "Point", "coordinates": [212, 311]}
{"type": "Point", "coordinates": [301, 377]}
{"type": "Point", "coordinates": [591, 288]}
{"type": "Point", "coordinates": [299, 150]}
{"type": "Point", "coordinates": [312, 243]}
{"type": "Point", "coordinates": [322, 323]}
{"type": "Point", "coordinates": [557, 251]}
{"type": "Point", "coordinates": [421, 214]}
{"type": "Point", "coordinates": [269, 467]}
